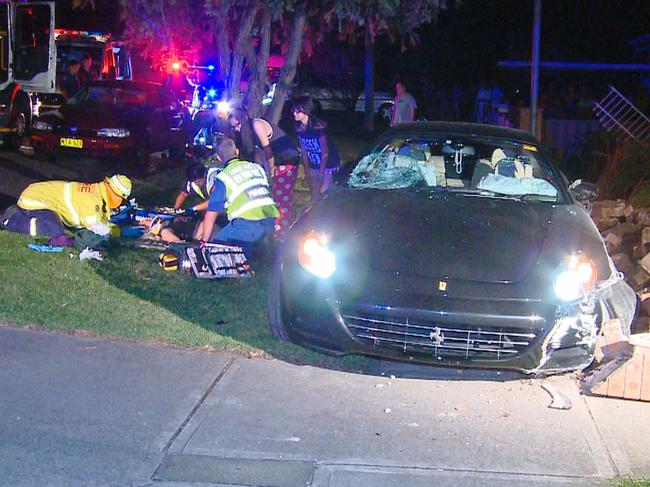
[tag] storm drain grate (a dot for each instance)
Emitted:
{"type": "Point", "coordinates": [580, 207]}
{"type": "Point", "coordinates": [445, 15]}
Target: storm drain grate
{"type": "Point", "coordinates": [238, 471]}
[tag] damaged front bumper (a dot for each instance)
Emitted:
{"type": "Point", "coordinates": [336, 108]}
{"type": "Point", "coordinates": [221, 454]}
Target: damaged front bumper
{"type": "Point", "coordinates": [571, 343]}
{"type": "Point", "coordinates": [529, 336]}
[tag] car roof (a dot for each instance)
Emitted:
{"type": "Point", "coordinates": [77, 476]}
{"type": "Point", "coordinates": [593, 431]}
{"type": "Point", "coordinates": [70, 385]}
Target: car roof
{"type": "Point", "coordinates": [126, 84]}
{"type": "Point", "coordinates": [462, 128]}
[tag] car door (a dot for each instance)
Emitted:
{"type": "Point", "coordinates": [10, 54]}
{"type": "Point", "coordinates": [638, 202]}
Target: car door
{"type": "Point", "coordinates": [33, 52]}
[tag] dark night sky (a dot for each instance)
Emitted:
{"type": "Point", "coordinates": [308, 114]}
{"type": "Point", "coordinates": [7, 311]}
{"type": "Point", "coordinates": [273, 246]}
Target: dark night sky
{"type": "Point", "coordinates": [472, 39]}
{"type": "Point", "coordinates": [468, 41]}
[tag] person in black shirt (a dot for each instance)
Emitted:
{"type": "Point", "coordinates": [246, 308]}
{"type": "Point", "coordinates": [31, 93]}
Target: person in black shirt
{"type": "Point", "coordinates": [320, 155]}
{"type": "Point", "coordinates": [86, 71]}
{"type": "Point", "coordinates": [70, 81]}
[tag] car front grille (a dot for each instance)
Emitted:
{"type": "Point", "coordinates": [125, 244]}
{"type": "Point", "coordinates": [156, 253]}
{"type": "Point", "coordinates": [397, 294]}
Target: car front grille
{"type": "Point", "coordinates": [452, 341]}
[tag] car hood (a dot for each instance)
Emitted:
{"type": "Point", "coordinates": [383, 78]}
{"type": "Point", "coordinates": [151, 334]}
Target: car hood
{"type": "Point", "coordinates": [94, 117]}
{"type": "Point", "coordinates": [438, 235]}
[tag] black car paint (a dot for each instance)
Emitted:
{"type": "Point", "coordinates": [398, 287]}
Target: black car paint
{"type": "Point", "coordinates": [498, 258]}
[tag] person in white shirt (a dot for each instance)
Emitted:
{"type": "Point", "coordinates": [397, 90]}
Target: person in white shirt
{"type": "Point", "coordinates": [404, 106]}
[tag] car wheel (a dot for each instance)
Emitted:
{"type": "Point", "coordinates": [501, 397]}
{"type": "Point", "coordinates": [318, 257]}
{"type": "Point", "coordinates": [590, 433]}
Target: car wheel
{"type": "Point", "coordinates": [19, 123]}
{"type": "Point", "coordinates": [385, 112]}
{"type": "Point", "coordinates": [275, 308]}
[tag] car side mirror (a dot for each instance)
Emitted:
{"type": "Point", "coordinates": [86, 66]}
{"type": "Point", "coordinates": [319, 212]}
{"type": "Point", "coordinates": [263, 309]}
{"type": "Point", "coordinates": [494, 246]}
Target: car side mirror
{"type": "Point", "coordinates": [341, 176]}
{"type": "Point", "coordinates": [583, 191]}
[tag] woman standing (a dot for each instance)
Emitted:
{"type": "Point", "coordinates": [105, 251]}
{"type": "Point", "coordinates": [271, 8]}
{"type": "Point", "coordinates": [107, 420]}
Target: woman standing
{"type": "Point", "coordinates": [320, 155]}
{"type": "Point", "coordinates": [280, 157]}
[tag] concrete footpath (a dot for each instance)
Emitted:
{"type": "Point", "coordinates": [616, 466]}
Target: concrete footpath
{"type": "Point", "coordinates": [89, 411]}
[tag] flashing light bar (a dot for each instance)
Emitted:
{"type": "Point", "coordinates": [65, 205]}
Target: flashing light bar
{"type": "Point", "coordinates": [98, 36]}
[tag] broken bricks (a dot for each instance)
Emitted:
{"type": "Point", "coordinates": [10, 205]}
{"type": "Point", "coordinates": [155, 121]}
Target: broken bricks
{"type": "Point", "coordinates": [627, 376]}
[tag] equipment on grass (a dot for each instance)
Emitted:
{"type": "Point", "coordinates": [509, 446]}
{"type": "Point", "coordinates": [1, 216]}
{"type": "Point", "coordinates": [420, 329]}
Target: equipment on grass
{"type": "Point", "coordinates": [169, 261]}
{"type": "Point", "coordinates": [211, 261]}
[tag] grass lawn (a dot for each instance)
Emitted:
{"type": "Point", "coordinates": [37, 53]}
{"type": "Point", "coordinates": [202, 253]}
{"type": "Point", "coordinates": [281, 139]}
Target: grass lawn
{"type": "Point", "coordinates": [629, 482]}
{"type": "Point", "coordinates": [129, 295]}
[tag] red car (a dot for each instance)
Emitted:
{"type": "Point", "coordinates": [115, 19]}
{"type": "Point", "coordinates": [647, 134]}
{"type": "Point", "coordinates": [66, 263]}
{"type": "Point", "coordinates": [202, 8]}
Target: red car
{"type": "Point", "coordinates": [115, 118]}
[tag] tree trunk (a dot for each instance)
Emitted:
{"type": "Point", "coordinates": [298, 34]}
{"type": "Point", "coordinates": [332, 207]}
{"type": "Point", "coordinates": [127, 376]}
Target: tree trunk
{"type": "Point", "coordinates": [238, 52]}
{"type": "Point", "coordinates": [223, 47]}
{"type": "Point", "coordinates": [259, 65]}
{"type": "Point", "coordinates": [288, 71]}
{"type": "Point", "coordinates": [369, 81]}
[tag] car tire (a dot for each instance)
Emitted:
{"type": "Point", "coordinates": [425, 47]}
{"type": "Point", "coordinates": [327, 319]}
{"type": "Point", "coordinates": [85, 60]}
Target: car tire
{"type": "Point", "coordinates": [274, 304]}
{"type": "Point", "coordinates": [20, 121]}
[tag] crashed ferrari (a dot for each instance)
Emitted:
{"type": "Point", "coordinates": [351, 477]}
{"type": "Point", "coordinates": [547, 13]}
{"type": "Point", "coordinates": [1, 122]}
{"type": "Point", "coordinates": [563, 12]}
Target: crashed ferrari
{"type": "Point", "coordinates": [452, 244]}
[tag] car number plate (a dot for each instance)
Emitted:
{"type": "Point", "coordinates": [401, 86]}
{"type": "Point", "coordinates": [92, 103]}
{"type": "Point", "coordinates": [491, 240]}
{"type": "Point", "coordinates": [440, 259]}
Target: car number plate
{"type": "Point", "coordinates": [76, 143]}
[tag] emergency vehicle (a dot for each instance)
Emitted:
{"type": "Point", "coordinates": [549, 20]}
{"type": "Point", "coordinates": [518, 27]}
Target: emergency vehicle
{"type": "Point", "coordinates": [110, 59]}
{"type": "Point", "coordinates": [27, 62]}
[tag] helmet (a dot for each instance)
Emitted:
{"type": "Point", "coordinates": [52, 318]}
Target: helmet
{"type": "Point", "coordinates": [120, 184]}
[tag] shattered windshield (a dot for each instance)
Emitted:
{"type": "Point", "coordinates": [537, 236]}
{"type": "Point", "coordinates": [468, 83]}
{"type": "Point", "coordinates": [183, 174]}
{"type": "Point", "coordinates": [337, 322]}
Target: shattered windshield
{"type": "Point", "coordinates": [486, 167]}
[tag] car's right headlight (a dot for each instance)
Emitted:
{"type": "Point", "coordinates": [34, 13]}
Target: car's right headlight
{"type": "Point", "coordinates": [576, 278]}
{"type": "Point", "coordinates": [315, 256]}
{"type": "Point", "coordinates": [41, 125]}
{"type": "Point", "coordinates": [118, 133]}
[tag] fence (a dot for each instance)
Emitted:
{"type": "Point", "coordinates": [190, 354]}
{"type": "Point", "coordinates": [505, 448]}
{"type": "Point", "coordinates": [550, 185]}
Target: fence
{"type": "Point", "coordinates": [565, 139]}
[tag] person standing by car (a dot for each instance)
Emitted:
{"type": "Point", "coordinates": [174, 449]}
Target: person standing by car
{"type": "Point", "coordinates": [320, 156]}
{"type": "Point", "coordinates": [70, 83]}
{"type": "Point", "coordinates": [86, 72]}
{"type": "Point", "coordinates": [280, 157]}
{"type": "Point", "coordinates": [241, 191]}
{"type": "Point", "coordinates": [404, 105]}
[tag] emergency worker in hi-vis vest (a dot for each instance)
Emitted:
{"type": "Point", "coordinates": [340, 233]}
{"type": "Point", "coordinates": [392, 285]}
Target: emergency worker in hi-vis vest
{"type": "Point", "coordinates": [242, 191]}
{"type": "Point", "coordinates": [54, 208]}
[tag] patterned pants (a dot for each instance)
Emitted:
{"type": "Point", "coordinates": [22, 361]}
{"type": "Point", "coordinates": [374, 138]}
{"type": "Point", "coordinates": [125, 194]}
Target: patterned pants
{"type": "Point", "coordinates": [284, 178]}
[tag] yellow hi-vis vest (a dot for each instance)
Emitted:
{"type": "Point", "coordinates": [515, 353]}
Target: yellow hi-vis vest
{"type": "Point", "coordinates": [248, 194]}
{"type": "Point", "coordinates": [205, 192]}
{"type": "Point", "coordinates": [79, 205]}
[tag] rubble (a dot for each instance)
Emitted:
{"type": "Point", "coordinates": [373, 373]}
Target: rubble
{"type": "Point", "coordinates": [623, 360]}
{"type": "Point", "coordinates": [626, 232]}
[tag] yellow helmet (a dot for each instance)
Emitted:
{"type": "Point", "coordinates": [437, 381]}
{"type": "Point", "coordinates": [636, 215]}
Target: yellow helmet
{"type": "Point", "coordinates": [120, 184]}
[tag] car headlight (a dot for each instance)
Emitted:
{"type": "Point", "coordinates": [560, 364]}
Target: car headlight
{"type": "Point", "coordinates": [315, 256]}
{"type": "Point", "coordinates": [576, 278]}
{"type": "Point", "coordinates": [41, 125]}
{"type": "Point", "coordinates": [223, 108]}
{"type": "Point", "coordinates": [113, 133]}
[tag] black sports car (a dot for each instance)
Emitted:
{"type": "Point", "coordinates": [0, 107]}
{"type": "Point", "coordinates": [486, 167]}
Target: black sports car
{"type": "Point", "coordinates": [454, 244]}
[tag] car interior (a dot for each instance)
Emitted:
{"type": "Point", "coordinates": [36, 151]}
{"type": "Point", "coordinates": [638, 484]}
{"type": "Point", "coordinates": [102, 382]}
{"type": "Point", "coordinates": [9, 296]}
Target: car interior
{"type": "Point", "coordinates": [454, 163]}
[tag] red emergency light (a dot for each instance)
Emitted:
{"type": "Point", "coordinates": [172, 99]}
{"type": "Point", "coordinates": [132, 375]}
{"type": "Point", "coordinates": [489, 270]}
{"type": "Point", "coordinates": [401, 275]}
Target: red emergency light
{"type": "Point", "coordinates": [177, 66]}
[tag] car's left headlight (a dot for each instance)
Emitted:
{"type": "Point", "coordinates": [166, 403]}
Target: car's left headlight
{"type": "Point", "coordinates": [315, 256]}
{"type": "Point", "coordinates": [576, 278]}
{"type": "Point", "coordinates": [118, 133]}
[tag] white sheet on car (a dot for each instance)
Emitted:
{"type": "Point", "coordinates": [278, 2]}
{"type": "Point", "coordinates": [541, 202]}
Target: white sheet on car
{"type": "Point", "coordinates": [517, 187]}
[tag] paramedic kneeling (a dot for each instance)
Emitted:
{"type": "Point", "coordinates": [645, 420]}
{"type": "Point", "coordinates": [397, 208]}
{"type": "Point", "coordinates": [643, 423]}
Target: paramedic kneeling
{"type": "Point", "coordinates": [242, 191]}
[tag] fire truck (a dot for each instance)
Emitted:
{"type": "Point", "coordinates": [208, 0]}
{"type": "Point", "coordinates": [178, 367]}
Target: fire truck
{"type": "Point", "coordinates": [110, 59]}
{"type": "Point", "coordinates": [27, 63]}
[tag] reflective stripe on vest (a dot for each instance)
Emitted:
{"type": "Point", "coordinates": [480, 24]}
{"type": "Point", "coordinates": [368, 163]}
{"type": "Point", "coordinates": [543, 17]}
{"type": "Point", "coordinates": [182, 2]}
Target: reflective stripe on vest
{"type": "Point", "coordinates": [197, 189]}
{"type": "Point", "coordinates": [33, 204]}
{"type": "Point", "coordinates": [248, 194]}
{"type": "Point", "coordinates": [67, 197]}
{"type": "Point", "coordinates": [251, 205]}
